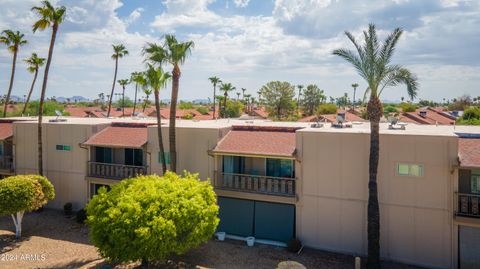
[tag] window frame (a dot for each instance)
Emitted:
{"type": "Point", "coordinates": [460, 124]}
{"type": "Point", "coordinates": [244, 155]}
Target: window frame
{"type": "Point", "coordinates": [410, 165]}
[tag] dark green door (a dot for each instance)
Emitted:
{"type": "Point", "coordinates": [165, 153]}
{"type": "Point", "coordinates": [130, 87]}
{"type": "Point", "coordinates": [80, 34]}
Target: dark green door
{"type": "Point", "coordinates": [236, 216]}
{"type": "Point", "coordinates": [263, 220]}
{"type": "Point", "coordinates": [274, 221]}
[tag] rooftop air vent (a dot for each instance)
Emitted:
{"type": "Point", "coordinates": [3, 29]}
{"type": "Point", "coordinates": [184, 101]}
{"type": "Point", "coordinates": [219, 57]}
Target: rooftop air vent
{"type": "Point", "coordinates": [395, 124]}
{"type": "Point", "coordinates": [423, 113]}
{"type": "Point", "coordinates": [57, 119]}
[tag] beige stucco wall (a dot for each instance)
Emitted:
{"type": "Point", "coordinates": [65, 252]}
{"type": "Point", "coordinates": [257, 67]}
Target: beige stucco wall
{"type": "Point", "coordinates": [416, 213]}
{"type": "Point", "coordinates": [65, 169]}
{"type": "Point", "coordinates": [193, 145]}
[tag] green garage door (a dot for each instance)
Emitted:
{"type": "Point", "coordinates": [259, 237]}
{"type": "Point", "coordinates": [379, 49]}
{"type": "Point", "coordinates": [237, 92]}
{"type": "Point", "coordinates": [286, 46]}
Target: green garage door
{"type": "Point", "coordinates": [274, 221]}
{"type": "Point", "coordinates": [469, 247]}
{"type": "Point", "coordinates": [263, 220]}
{"type": "Point", "coordinates": [236, 216]}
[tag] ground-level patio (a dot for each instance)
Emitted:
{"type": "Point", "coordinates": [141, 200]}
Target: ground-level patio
{"type": "Point", "coordinates": [52, 240]}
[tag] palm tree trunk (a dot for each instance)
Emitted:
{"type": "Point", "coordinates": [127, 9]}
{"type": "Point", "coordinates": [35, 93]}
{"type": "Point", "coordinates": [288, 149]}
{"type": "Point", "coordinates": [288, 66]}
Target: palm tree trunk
{"type": "Point", "coordinates": [42, 98]}
{"type": "Point", "coordinates": [135, 101]}
{"type": "Point", "coordinates": [145, 104]}
{"type": "Point", "coordinates": [374, 109]}
{"type": "Point", "coordinates": [214, 93]}
{"type": "Point", "coordinates": [225, 96]}
{"type": "Point", "coordinates": [30, 92]}
{"type": "Point", "coordinates": [11, 83]}
{"type": "Point", "coordinates": [173, 112]}
{"type": "Point", "coordinates": [113, 87]}
{"type": "Point", "coordinates": [159, 130]}
{"type": "Point", "coordinates": [123, 102]}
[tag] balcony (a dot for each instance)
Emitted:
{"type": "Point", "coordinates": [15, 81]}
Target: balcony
{"type": "Point", "coordinates": [277, 186]}
{"type": "Point", "coordinates": [468, 205]}
{"type": "Point", "coordinates": [114, 171]}
{"type": "Point", "coordinates": [6, 163]}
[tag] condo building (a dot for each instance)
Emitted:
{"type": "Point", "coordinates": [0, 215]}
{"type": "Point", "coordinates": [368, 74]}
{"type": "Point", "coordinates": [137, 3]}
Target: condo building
{"type": "Point", "coordinates": [281, 180]}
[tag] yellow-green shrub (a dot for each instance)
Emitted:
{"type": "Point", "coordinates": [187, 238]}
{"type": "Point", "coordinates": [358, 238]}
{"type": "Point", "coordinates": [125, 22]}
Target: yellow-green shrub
{"type": "Point", "coordinates": [149, 218]}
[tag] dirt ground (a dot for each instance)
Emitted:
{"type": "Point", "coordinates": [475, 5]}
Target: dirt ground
{"type": "Point", "coordinates": [52, 240]}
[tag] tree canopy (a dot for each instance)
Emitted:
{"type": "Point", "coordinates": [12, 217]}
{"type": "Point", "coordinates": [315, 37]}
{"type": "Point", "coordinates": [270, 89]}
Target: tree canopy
{"type": "Point", "coordinates": [311, 98]}
{"type": "Point", "coordinates": [278, 98]}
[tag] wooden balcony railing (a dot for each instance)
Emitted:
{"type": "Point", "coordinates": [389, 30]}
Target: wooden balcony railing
{"type": "Point", "coordinates": [468, 205]}
{"type": "Point", "coordinates": [6, 163]}
{"type": "Point", "coordinates": [255, 184]}
{"type": "Point", "coordinates": [115, 171]}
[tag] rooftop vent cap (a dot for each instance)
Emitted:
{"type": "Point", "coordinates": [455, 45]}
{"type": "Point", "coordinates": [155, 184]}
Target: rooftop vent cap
{"type": "Point", "coordinates": [423, 113]}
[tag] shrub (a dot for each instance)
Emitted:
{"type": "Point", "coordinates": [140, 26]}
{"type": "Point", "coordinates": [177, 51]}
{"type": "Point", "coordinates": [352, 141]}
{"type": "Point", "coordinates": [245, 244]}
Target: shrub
{"type": "Point", "coordinates": [407, 107]}
{"type": "Point", "coordinates": [150, 218]}
{"type": "Point", "coordinates": [202, 110]}
{"type": "Point", "coordinates": [294, 245]}
{"type": "Point", "coordinates": [326, 109]}
{"type": "Point", "coordinates": [81, 216]}
{"type": "Point", "coordinates": [67, 209]}
{"type": "Point", "coordinates": [471, 116]}
{"type": "Point", "coordinates": [234, 109]}
{"type": "Point", "coordinates": [388, 109]}
{"type": "Point", "coordinates": [23, 193]}
{"type": "Point", "coordinates": [187, 116]}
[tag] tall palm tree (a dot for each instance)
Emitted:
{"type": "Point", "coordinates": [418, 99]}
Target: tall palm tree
{"type": "Point", "coordinates": [139, 79]}
{"type": "Point", "coordinates": [226, 87]}
{"type": "Point", "coordinates": [147, 94]}
{"type": "Point", "coordinates": [174, 53]}
{"type": "Point", "coordinates": [50, 16]}
{"type": "Point", "coordinates": [354, 86]}
{"type": "Point", "coordinates": [123, 83]}
{"type": "Point", "coordinates": [156, 79]}
{"type": "Point", "coordinates": [119, 51]}
{"type": "Point", "coordinates": [372, 61]}
{"type": "Point", "coordinates": [300, 87]}
{"type": "Point", "coordinates": [238, 96]}
{"type": "Point", "coordinates": [243, 94]}
{"type": "Point", "coordinates": [34, 63]}
{"type": "Point", "coordinates": [214, 81]}
{"type": "Point", "coordinates": [13, 40]}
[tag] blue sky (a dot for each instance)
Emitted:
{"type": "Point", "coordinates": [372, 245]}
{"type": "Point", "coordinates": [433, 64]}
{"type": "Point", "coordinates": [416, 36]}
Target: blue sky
{"type": "Point", "coordinates": [249, 43]}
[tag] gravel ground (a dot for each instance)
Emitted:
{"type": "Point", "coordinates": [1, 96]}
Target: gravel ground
{"type": "Point", "coordinates": [51, 240]}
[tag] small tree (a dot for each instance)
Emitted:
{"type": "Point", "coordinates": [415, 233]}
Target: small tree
{"type": "Point", "coordinates": [149, 218]}
{"type": "Point", "coordinates": [23, 193]}
{"type": "Point", "coordinates": [312, 97]}
{"type": "Point", "coordinates": [278, 97]}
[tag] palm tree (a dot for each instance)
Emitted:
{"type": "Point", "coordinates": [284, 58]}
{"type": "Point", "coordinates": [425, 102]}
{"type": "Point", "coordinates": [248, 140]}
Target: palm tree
{"type": "Point", "coordinates": [13, 40]}
{"type": "Point", "coordinates": [50, 16]}
{"type": "Point", "coordinates": [238, 97]}
{"type": "Point", "coordinates": [119, 51]}
{"type": "Point", "coordinates": [214, 81]}
{"type": "Point", "coordinates": [123, 83]}
{"type": "Point", "coordinates": [139, 79]}
{"type": "Point", "coordinates": [174, 53]}
{"type": "Point", "coordinates": [354, 86]}
{"type": "Point", "coordinates": [34, 63]}
{"type": "Point", "coordinates": [226, 87]}
{"type": "Point", "coordinates": [243, 94]}
{"type": "Point", "coordinates": [372, 61]}
{"type": "Point", "coordinates": [300, 87]}
{"type": "Point", "coordinates": [156, 79]}
{"type": "Point", "coordinates": [147, 94]}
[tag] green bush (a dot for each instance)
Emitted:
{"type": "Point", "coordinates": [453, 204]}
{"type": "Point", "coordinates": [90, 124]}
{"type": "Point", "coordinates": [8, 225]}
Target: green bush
{"type": "Point", "coordinates": [24, 193]}
{"type": "Point", "coordinates": [389, 109]}
{"type": "Point", "coordinates": [471, 116]}
{"type": "Point", "coordinates": [234, 109]}
{"type": "Point", "coordinates": [185, 105]}
{"type": "Point", "coordinates": [187, 116]}
{"type": "Point", "coordinates": [407, 107]}
{"type": "Point", "coordinates": [326, 109]}
{"type": "Point", "coordinates": [150, 218]}
{"type": "Point", "coordinates": [202, 110]}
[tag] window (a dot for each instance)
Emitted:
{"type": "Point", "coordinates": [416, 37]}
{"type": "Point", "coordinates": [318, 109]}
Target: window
{"type": "Point", "coordinates": [412, 170]}
{"type": "Point", "coordinates": [1, 148]}
{"type": "Point", "coordinates": [234, 164]}
{"type": "Point", "coordinates": [475, 183]}
{"type": "Point", "coordinates": [103, 155]}
{"type": "Point", "coordinates": [63, 147]}
{"type": "Point", "coordinates": [166, 155]}
{"type": "Point", "coordinates": [280, 168]}
{"type": "Point", "coordinates": [134, 157]}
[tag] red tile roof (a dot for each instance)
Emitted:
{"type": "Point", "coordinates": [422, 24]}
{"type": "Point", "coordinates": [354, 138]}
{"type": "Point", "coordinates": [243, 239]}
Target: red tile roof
{"type": "Point", "coordinates": [6, 130]}
{"type": "Point", "coordinates": [121, 136]}
{"type": "Point", "coordinates": [469, 152]}
{"type": "Point", "coordinates": [431, 116]}
{"type": "Point", "coordinates": [254, 140]}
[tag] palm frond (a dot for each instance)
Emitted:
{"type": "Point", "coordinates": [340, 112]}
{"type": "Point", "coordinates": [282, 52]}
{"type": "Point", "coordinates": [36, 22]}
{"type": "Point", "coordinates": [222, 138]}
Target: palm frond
{"type": "Point", "coordinates": [399, 75]}
{"type": "Point", "coordinates": [350, 57]}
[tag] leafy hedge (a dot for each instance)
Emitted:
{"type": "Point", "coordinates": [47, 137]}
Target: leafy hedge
{"type": "Point", "coordinates": [149, 218]}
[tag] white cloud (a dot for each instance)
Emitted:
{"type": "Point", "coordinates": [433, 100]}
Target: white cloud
{"type": "Point", "coordinates": [241, 3]}
{"type": "Point", "coordinates": [135, 15]}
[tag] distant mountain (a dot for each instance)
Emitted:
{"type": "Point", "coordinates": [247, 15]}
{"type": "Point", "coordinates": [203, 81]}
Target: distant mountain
{"type": "Point", "coordinates": [73, 99]}
{"type": "Point", "coordinates": [201, 101]}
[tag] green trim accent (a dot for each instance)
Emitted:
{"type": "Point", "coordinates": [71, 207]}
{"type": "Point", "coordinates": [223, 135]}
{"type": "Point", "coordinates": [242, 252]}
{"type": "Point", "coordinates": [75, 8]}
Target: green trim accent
{"type": "Point", "coordinates": [63, 147]}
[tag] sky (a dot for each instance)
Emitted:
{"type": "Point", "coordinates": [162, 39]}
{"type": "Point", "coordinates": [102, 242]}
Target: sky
{"type": "Point", "coordinates": [249, 43]}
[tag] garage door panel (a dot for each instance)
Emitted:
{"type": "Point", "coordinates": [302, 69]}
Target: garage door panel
{"type": "Point", "coordinates": [236, 216]}
{"type": "Point", "coordinates": [274, 221]}
{"type": "Point", "coordinates": [469, 244]}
